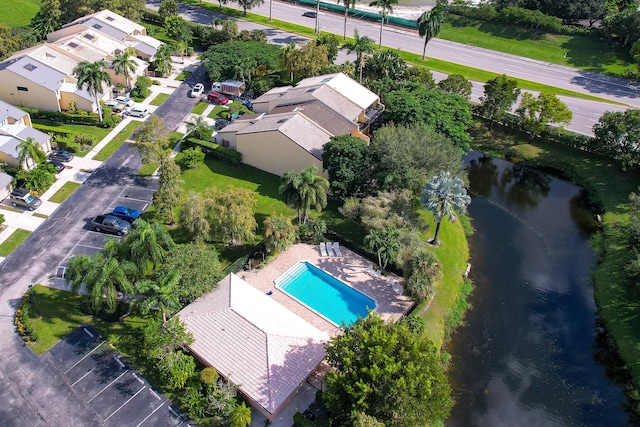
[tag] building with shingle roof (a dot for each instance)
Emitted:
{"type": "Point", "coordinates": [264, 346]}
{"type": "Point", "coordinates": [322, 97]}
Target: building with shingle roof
{"type": "Point", "coordinates": [261, 347]}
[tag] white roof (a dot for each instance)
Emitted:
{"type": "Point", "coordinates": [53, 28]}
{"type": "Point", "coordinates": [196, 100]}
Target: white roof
{"type": "Point", "coordinates": [346, 86]}
{"type": "Point", "coordinates": [263, 348]}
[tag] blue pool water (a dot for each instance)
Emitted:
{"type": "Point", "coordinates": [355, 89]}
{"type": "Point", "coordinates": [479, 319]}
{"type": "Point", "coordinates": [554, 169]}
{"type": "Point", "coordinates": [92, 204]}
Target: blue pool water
{"type": "Point", "coordinates": [329, 297]}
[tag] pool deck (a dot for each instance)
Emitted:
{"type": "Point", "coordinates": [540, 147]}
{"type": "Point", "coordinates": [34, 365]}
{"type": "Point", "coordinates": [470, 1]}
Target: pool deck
{"type": "Point", "coordinates": [351, 268]}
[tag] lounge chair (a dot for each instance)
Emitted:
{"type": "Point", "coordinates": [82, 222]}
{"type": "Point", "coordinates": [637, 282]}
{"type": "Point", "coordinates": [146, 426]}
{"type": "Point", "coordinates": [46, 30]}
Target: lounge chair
{"type": "Point", "coordinates": [336, 248]}
{"type": "Point", "coordinates": [323, 249]}
{"type": "Point", "coordinates": [369, 270]}
{"type": "Point", "coordinates": [329, 249]}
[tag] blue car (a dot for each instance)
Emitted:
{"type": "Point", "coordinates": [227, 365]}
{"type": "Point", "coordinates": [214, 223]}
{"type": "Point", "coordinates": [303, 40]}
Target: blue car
{"type": "Point", "coordinates": [126, 213]}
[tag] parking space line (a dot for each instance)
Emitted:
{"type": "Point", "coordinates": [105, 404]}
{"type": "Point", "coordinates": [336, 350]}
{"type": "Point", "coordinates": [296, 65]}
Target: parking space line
{"type": "Point", "coordinates": [122, 406]}
{"type": "Point", "coordinates": [147, 417]}
{"type": "Point", "coordinates": [107, 386]}
{"type": "Point", "coordinates": [89, 246]}
{"type": "Point", "coordinates": [88, 332]}
{"type": "Point", "coordinates": [82, 377]}
{"type": "Point", "coordinates": [84, 357]}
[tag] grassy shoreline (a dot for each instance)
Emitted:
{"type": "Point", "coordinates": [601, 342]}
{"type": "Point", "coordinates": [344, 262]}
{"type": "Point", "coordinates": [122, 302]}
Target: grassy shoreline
{"type": "Point", "coordinates": [610, 189]}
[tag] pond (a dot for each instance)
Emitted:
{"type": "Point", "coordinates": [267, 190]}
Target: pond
{"type": "Point", "coordinates": [525, 356]}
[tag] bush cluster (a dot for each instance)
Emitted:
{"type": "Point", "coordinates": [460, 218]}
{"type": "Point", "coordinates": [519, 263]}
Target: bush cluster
{"type": "Point", "coordinates": [517, 16]}
{"type": "Point", "coordinates": [213, 150]}
{"type": "Point", "coordinates": [23, 321]}
{"type": "Point", "coordinates": [78, 118]}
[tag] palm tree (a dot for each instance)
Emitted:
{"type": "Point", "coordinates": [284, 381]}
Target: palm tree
{"type": "Point", "coordinates": [198, 126]}
{"type": "Point", "coordinates": [279, 233]}
{"type": "Point", "coordinates": [303, 190]}
{"type": "Point", "coordinates": [91, 75]}
{"type": "Point", "coordinates": [386, 7]}
{"type": "Point", "coordinates": [160, 295]}
{"type": "Point", "coordinates": [147, 242]}
{"type": "Point", "coordinates": [102, 277]}
{"type": "Point", "coordinates": [240, 416]}
{"type": "Point", "coordinates": [444, 195]}
{"type": "Point", "coordinates": [360, 46]}
{"type": "Point", "coordinates": [430, 23]}
{"type": "Point", "coordinates": [348, 4]}
{"type": "Point", "coordinates": [385, 243]}
{"type": "Point", "coordinates": [163, 59]}
{"type": "Point", "coordinates": [289, 58]}
{"type": "Point", "coordinates": [30, 149]}
{"type": "Point", "coordinates": [124, 63]}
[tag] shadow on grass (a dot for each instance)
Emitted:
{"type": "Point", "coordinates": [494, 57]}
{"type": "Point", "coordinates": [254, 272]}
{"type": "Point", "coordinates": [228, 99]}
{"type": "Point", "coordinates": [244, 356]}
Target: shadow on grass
{"type": "Point", "coordinates": [495, 29]}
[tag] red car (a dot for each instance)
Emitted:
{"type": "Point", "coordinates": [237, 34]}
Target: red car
{"type": "Point", "coordinates": [217, 98]}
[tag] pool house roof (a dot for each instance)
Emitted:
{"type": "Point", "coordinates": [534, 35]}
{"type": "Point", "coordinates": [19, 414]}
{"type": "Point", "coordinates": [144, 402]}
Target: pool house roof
{"type": "Point", "coordinates": [263, 348]}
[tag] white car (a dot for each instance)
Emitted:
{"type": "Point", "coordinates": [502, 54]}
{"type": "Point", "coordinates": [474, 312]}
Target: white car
{"type": "Point", "coordinates": [125, 101]}
{"type": "Point", "coordinates": [197, 90]}
{"type": "Point", "coordinates": [138, 112]}
{"type": "Point", "coordinates": [114, 105]}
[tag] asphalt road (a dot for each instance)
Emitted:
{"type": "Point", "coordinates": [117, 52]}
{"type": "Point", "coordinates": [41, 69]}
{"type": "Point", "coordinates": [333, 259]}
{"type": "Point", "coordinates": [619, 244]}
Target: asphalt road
{"type": "Point", "coordinates": [33, 392]}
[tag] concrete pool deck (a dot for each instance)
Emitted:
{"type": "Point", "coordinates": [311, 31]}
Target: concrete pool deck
{"type": "Point", "coordinates": [351, 268]}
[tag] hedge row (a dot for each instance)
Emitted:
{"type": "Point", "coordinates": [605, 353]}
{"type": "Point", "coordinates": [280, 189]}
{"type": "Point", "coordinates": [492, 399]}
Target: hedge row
{"type": "Point", "coordinates": [214, 150]}
{"type": "Point", "coordinates": [22, 320]}
{"type": "Point", "coordinates": [517, 16]}
{"type": "Point", "coordinates": [84, 119]}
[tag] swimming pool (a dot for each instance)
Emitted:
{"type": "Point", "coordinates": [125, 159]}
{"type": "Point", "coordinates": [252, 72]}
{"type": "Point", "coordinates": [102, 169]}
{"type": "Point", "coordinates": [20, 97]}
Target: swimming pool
{"type": "Point", "coordinates": [321, 292]}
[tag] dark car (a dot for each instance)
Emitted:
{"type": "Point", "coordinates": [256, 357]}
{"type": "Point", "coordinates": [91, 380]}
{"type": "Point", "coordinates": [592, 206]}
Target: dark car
{"type": "Point", "coordinates": [310, 14]}
{"type": "Point", "coordinates": [56, 164]}
{"type": "Point", "coordinates": [220, 123]}
{"type": "Point", "coordinates": [61, 156]}
{"type": "Point", "coordinates": [246, 103]}
{"type": "Point", "coordinates": [217, 98]}
{"type": "Point", "coordinates": [126, 213]}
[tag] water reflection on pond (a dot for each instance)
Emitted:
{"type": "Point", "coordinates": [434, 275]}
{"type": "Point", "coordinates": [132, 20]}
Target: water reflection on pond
{"type": "Point", "coordinates": [525, 356]}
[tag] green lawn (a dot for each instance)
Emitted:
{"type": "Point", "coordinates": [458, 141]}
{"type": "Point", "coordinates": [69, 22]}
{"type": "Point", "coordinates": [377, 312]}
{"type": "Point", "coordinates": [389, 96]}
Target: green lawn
{"type": "Point", "coordinates": [94, 132]}
{"type": "Point", "coordinates": [116, 142]}
{"type": "Point", "coordinates": [148, 169]}
{"type": "Point", "coordinates": [199, 108]}
{"type": "Point", "coordinates": [58, 313]}
{"type": "Point", "coordinates": [159, 99]}
{"type": "Point", "coordinates": [64, 192]}
{"type": "Point", "coordinates": [218, 112]}
{"type": "Point", "coordinates": [183, 75]}
{"type": "Point", "coordinates": [15, 240]}
{"type": "Point", "coordinates": [18, 13]}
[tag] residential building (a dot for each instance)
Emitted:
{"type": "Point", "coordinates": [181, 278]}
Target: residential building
{"type": "Point", "coordinates": [15, 127]}
{"type": "Point", "coordinates": [260, 346]}
{"type": "Point", "coordinates": [292, 124]}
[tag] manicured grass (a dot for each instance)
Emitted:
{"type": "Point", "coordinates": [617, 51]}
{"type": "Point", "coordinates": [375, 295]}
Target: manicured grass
{"type": "Point", "coordinates": [18, 13]}
{"type": "Point", "coordinates": [586, 53]}
{"type": "Point", "coordinates": [148, 169]}
{"type": "Point", "coordinates": [218, 112]}
{"type": "Point", "coordinates": [94, 132]}
{"type": "Point", "coordinates": [11, 208]}
{"type": "Point", "coordinates": [58, 313]}
{"type": "Point", "coordinates": [39, 215]}
{"type": "Point", "coordinates": [158, 32]}
{"type": "Point", "coordinates": [158, 100]}
{"type": "Point", "coordinates": [116, 142]}
{"type": "Point", "coordinates": [199, 108]}
{"type": "Point", "coordinates": [15, 240]}
{"type": "Point", "coordinates": [184, 75]}
{"type": "Point", "coordinates": [617, 302]}
{"type": "Point", "coordinates": [64, 192]}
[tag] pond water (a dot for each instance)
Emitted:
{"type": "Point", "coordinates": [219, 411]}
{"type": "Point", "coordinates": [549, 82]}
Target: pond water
{"type": "Point", "coordinates": [525, 355]}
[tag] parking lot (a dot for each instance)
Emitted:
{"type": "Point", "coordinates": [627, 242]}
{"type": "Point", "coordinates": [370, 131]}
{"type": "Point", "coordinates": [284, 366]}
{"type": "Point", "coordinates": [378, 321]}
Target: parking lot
{"type": "Point", "coordinates": [110, 387]}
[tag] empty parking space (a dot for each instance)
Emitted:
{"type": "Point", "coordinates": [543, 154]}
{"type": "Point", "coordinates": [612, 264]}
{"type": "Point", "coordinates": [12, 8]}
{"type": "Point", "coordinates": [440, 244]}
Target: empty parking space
{"type": "Point", "coordinates": [113, 389]}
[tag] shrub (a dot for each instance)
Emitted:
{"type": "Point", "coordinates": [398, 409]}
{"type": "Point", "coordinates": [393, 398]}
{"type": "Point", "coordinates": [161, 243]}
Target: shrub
{"type": "Point", "coordinates": [84, 142]}
{"type": "Point", "coordinates": [2, 219]}
{"type": "Point", "coordinates": [22, 319]}
{"type": "Point", "coordinates": [209, 375]}
{"type": "Point", "coordinates": [70, 146]}
{"type": "Point", "coordinates": [191, 157]}
{"type": "Point", "coordinates": [81, 116]}
{"type": "Point", "coordinates": [214, 150]}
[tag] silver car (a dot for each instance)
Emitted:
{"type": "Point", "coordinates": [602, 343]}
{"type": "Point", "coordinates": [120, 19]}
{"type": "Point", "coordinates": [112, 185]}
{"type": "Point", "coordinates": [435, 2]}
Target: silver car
{"type": "Point", "coordinates": [138, 112]}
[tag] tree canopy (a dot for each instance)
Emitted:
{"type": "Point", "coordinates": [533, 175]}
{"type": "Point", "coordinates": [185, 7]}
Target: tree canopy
{"type": "Point", "coordinates": [617, 135]}
{"type": "Point", "coordinates": [346, 159]}
{"type": "Point", "coordinates": [386, 371]}
{"type": "Point", "coordinates": [223, 59]}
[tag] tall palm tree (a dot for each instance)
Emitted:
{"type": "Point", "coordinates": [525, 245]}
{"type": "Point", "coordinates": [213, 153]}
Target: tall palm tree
{"type": "Point", "coordinates": [304, 190]}
{"type": "Point", "coordinates": [289, 58]}
{"type": "Point", "coordinates": [30, 149]}
{"type": "Point", "coordinates": [386, 7]}
{"type": "Point", "coordinates": [348, 4]}
{"type": "Point", "coordinates": [430, 23]}
{"type": "Point", "coordinates": [159, 295]}
{"type": "Point", "coordinates": [360, 46]}
{"type": "Point", "coordinates": [147, 243]}
{"type": "Point", "coordinates": [91, 75]}
{"type": "Point", "coordinates": [197, 126]}
{"type": "Point", "coordinates": [102, 277]}
{"type": "Point", "coordinates": [444, 195]}
{"type": "Point", "coordinates": [385, 243]}
{"type": "Point", "coordinates": [163, 59]}
{"type": "Point", "coordinates": [124, 63]}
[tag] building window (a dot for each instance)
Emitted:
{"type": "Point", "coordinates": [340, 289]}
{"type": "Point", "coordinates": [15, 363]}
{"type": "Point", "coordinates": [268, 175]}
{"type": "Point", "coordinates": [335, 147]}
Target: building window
{"type": "Point", "coordinates": [23, 89]}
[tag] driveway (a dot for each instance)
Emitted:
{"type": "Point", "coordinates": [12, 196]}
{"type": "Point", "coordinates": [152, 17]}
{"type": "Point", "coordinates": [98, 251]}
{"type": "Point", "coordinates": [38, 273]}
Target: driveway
{"type": "Point", "coordinates": [33, 392]}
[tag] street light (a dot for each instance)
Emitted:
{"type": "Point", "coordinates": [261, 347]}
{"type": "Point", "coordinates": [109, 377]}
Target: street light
{"type": "Point", "coordinates": [318, 17]}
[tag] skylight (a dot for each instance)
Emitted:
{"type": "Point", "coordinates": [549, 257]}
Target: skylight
{"type": "Point", "coordinates": [97, 26]}
{"type": "Point", "coordinates": [72, 44]}
{"type": "Point", "coordinates": [89, 37]}
{"type": "Point", "coordinates": [109, 18]}
{"type": "Point", "coordinates": [30, 67]}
